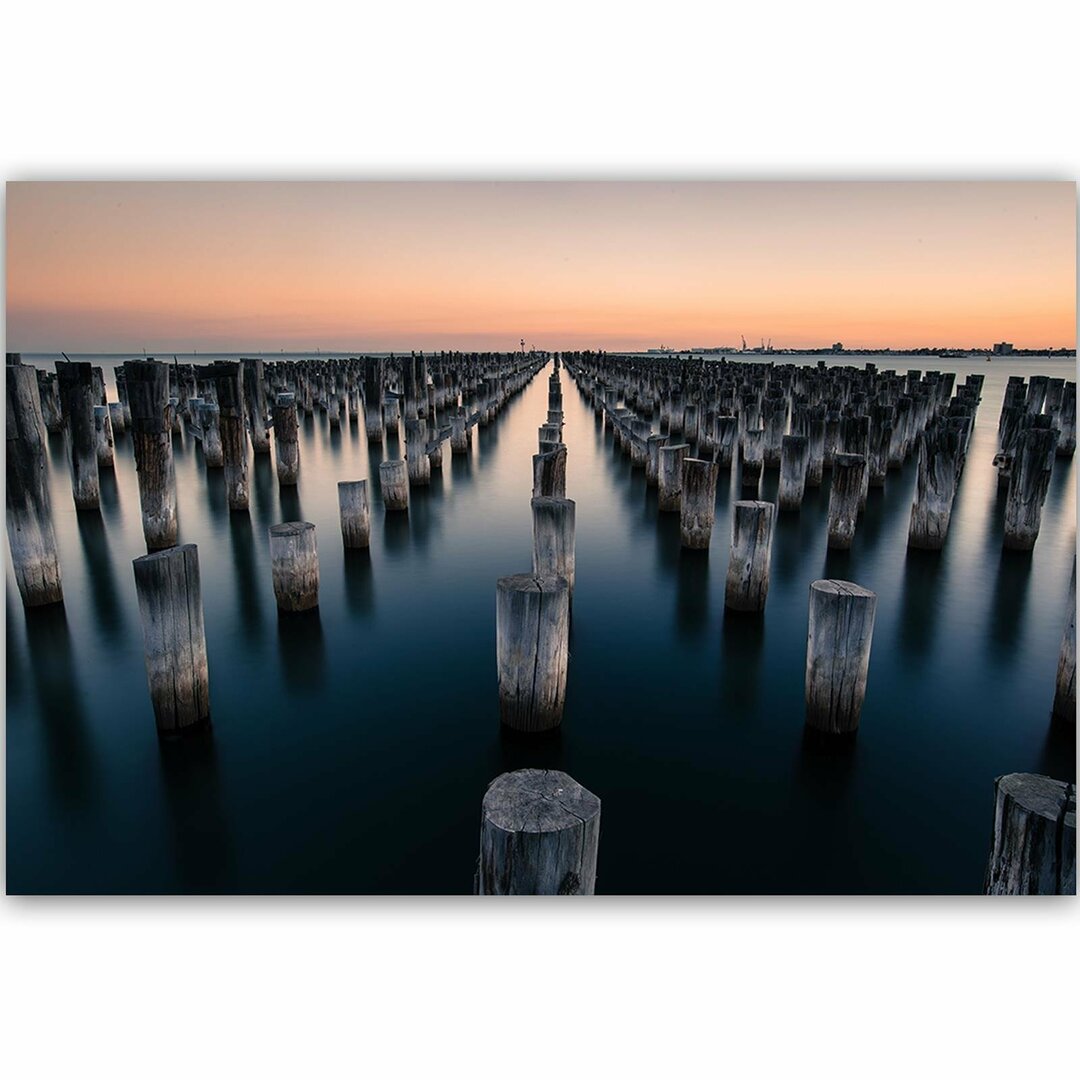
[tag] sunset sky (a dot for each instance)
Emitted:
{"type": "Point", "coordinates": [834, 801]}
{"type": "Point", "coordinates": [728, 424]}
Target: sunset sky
{"type": "Point", "coordinates": [118, 267]}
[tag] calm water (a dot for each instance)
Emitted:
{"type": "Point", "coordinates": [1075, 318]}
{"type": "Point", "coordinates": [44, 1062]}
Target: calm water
{"type": "Point", "coordinates": [350, 751]}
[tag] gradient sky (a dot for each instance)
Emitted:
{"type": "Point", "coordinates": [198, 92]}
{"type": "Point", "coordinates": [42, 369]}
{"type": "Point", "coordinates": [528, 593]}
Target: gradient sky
{"type": "Point", "coordinates": [118, 267]}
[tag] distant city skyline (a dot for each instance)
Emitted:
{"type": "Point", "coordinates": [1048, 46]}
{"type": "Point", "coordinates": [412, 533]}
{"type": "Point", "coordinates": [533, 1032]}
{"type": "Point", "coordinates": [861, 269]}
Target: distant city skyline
{"type": "Point", "coordinates": [264, 267]}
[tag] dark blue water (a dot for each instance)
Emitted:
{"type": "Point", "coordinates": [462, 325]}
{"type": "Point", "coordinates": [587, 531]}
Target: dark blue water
{"type": "Point", "coordinates": [350, 751]}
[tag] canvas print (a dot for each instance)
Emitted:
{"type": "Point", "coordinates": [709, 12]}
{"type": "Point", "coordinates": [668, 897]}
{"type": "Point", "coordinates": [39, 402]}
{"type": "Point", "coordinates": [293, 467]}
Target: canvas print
{"type": "Point", "coordinates": [563, 538]}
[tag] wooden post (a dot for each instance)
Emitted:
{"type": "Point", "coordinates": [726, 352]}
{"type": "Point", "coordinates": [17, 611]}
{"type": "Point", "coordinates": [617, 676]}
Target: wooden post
{"type": "Point", "coordinates": [539, 835]}
{"type": "Point", "coordinates": [286, 440]}
{"type": "Point", "coordinates": [553, 538]}
{"type": "Point", "coordinates": [49, 393]}
{"type": "Point", "coordinates": [794, 460]}
{"type": "Point", "coordinates": [1065, 688]}
{"type": "Point", "coordinates": [294, 566]}
{"type": "Point", "coordinates": [549, 473]}
{"type": "Point", "coordinates": [394, 482]}
{"type": "Point", "coordinates": [373, 395]}
{"type": "Point", "coordinates": [210, 422]}
{"type": "Point", "coordinates": [939, 469]}
{"type": "Point", "coordinates": [31, 537]}
{"type": "Point", "coordinates": [1028, 485]}
{"type": "Point", "coordinates": [419, 464]}
{"type": "Point", "coordinates": [148, 396]}
{"type": "Point", "coordinates": [698, 502]}
{"type": "Point", "coordinates": [117, 420]}
{"type": "Point", "coordinates": [753, 460]}
{"type": "Point", "coordinates": [355, 513]}
{"type": "Point", "coordinates": [77, 402]}
{"type": "Point", "coordinates": [727, 437]}
{"type": "Point", "coordinates": [170, 604]}
{"type": "Point", "coordinates": [103, 440]}
{"type": "Point", "coordinates": [845, 495]}
{"type": "Point", "coordinates": [670, 477]}
{"type": "Point", "coordinates": [747, 585]}
{"type": "Point", "coordinates": [838, 654]}
{"type": "Point", "coordinates": [226, 377]}
{"type": "Point", "coordinates": [1033, 850]}
{"type": "Point", "coordinates": [459, 433]}
{"type": "Point", "coordinates": [255, 403]}
{"type": "Point", "coordinates": [652, 459]}
{"type": "Point", "coordinates": [532, 622]}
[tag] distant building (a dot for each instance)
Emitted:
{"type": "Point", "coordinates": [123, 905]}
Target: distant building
{"type": "Point", "coordinates": [1003, 348]}
{"type": "Point", "coordinates": [838, 346]}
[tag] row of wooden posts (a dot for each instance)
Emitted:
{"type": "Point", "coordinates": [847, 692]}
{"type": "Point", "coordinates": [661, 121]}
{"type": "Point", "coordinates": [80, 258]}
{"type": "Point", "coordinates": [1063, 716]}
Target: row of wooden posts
{"type": "Point", "coordinates": [544, 825]}
{"type": "Point", "coordinates": [167, 578]}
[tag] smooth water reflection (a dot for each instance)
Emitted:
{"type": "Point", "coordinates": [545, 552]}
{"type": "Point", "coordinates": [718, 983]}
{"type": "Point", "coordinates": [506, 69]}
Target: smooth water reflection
{"type": "Point", "coordinates": [351, 746]}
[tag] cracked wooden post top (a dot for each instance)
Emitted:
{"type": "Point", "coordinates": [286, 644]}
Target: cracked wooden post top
{"type": "Point", "coordinates": [539, 835]}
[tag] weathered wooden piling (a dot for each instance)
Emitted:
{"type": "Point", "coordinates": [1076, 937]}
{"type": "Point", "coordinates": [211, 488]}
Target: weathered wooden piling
{"type": "Point", "coordinates": [532, 620]}
{"type": "Point", "coordinates": [225, 375]}
{"type": "Point", "coordinates": [151, 440]}
{"type": "Point", "coordinates": [31, 537]}
{"type": "Point", "coordinates": [210, 423]}
{"type": "Point", "coordinates": [49, 395]}
{"type": "Point", "coordinates": [75, 379]}
{"type": "Point", "coordinates": [170, 605]}
{"type": "Point", "coordinates": [286, 440]}
{"type": "Point", "coordinates": [373, 400]}
{"type": "Point", "coordinates": [1065, 686]}
{"type": "Point", "coordinates": [294, 566]}
{"type": "Point", "coordinates": [794, 460]}
{"type": "Point", "coordinates": [394, 482]}
{"type": "Point", "coordinates": [549, 473]}
{"type": "Point", "coordinates": [697, 502]}
{"type": "Point", "coordinates": [553, 538]}
{"type": "Point", "coordinates": [419, 465]}
{"type": "Point", "coordinates": [117, 420]}
{"type": "Point", "coordinates": [459, 433]}
{"type": "Point", "coordinates": [747, 585]}
{"type": "Point", "coordinates": [670, 476]}
{"type": "Point", "coordinates": [103, 437]}
{"type": "Point", "coordinates": [1066, 421]}
{"type": "Point", "coordinates": [539, 836]}
{"type": "Point", "coordinates": [841, 628]}
{"type": "Point", "coordinates": [255, 403]}
{"type": "Point", "coordinates": [1033, 848]}
{"type": "Point", "coordinates": [652, 458]}
{"type": "Point", "coordinates": [1028, 484]}
{"type": "Point", "coordinates": [753, 456]}
{"type": "Point", "coordinates": [355, 513]}
{"type": "Point", "coordinates": [939, 460]}
{"type": "Point", "coordinates": [727, 439]}
{"type": "Point", "coordinates": [845, 496]}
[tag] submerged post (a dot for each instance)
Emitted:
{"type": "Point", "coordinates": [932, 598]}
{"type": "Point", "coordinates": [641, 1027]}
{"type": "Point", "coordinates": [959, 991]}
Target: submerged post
{"type": "Point", "coordinates": [838, 654]}
{"type": "Point", "coordinates": [940, 455]}
{"type": "Point", "coordinates": [553, 538]}
{"type": "Point", "coordinates": [294, 566]}
{"type": "Point", "coordinates": [148, 397]}
{"type": "Point", "coordinates": [845, 496]}
{"type": "Point", "coordinates": [1028, 485]}
{"type": "Point", "coordinates": [226, 377]}
{"type": "Point", "coordinates": [698, 503]}
{"type": "Point", "coordinates": [31, 537]}
{"type": "Point", "coordinates": [76, 383]}
{"type": "Point", "coordinates": [1065, 687]}
{"type": "Point", "coordinates": [286, 440]}
{"type": "Point", "coordinates": [1033, 850]}
{"type": "Point", "coordinates": [355, 513]}
{"type": "Point", "coordinates": [549, 473]}
{"type": "Point", "coordinates": [170, 605]}
{"type": "Point", "coordinates": [670, 475]}
{"type": "Point", "coordinates": [794, 461]}
{"type": "Point", "coordinates": [394, 482]}
{"type": "Point", "coordinates": [532, 623]}
{"type": "Point", "coordinates": [539, 836]}
{"type": "Point", "coordinates": [747, 585]}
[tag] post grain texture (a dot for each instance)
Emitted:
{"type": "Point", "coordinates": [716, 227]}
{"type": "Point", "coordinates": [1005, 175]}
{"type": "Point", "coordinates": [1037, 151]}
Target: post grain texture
{"type": "Point", "coordinates": [539, 836]}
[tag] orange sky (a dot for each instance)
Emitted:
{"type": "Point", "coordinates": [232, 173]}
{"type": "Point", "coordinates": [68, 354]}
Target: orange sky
{"type": "Point", "coordinates": [353, 266]}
